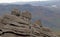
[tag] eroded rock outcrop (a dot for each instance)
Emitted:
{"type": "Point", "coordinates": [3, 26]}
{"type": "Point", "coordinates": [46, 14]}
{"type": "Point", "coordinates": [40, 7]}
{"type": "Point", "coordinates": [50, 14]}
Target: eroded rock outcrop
{"type": "Point", "coordinates": [19, 24]}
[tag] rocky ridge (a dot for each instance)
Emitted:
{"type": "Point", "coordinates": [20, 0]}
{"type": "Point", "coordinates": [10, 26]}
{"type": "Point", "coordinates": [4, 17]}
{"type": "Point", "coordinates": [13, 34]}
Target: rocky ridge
{"type": "Point", "coordinates": [18, 24]}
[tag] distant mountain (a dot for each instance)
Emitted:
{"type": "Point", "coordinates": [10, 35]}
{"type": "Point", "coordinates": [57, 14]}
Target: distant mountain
{"type": "Point", "coordinates": [52, 3]}
{"type": "Point", "coordinates": [49, 16]}
{"type": "Point", "coordinates": [41, 3]}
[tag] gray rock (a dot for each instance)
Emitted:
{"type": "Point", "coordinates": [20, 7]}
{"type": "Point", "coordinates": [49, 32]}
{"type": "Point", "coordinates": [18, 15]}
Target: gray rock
{"type": "Point", "coordinates": [15, 12]}
{"type": "Point", "coordinates": [27, 15]}
{"type": "Point", "coordinates": [19, 25]}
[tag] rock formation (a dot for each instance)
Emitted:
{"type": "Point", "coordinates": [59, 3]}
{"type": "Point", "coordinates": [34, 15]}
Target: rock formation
{"type": "Point", "coordinates": [19, 24]}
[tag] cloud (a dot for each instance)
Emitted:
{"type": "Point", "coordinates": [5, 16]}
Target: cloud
{"type": "Point", "coordinates": [10, 1]}
{"type": "Point", "coordinates": [55, 6]}
{"type": "Point", "coordinates": [55, 0]}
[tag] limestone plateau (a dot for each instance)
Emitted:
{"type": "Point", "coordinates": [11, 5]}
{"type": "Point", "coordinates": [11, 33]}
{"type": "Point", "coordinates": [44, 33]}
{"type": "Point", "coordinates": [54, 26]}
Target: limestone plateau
{"type": "Point", "coordinates": [19, 24]}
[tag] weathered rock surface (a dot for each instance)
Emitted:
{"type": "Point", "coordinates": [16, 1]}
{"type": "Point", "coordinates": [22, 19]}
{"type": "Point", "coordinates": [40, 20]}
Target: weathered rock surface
{"type": "Point", "coordinates": [19, 24]}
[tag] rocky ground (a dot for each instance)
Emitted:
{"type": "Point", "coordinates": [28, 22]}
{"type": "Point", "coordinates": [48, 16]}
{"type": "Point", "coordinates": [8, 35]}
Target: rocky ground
{"type": "Point", "coordinates": [18, 24]}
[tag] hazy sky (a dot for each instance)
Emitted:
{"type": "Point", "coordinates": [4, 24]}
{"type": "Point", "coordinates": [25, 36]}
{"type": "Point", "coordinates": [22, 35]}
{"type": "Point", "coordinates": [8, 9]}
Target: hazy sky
{"type": "Point", "coordinates": [10, 1]}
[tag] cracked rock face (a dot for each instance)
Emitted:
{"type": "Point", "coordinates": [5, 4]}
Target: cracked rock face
{"type": "Point", "coordinates": [19, 24]}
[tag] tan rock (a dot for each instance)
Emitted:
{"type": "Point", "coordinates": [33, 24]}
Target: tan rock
{"type": "Point", "coordinates": [1, 19]}
{"type": "Point", "coordinates": [19, 25]}
{"type": "Point", "coordinates": [27, 14]}
{"type": "Point", "coordinates": [15, 12]}
{"type": "Point", "coordinates": [38, 23]}
{"type": "Point", "coordinates": [9, 35]}
{"type": "Point", "coordinates": [46, 29]}
{"type": "Point", "coordinates": [9, 17]}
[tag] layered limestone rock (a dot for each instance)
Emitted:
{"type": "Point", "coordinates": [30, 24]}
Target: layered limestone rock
{"type": "Point", "coordinates": [36, 29]}
{"type": "Point", "coordinates": [19, 24]}
{"type": "Point", "coordinates": [40, 31]}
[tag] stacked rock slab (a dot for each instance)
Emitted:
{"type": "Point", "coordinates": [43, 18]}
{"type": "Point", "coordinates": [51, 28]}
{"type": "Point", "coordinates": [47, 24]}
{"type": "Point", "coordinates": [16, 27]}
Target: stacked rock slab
{"type": "Point", "coordinates": [14, 25]}
{"type": "Point", "coordinates": [19, 24]}
{"type": "Point", "coordinates": [40, 31]}
{"type": "Point", "coordinates": [36, 29]}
